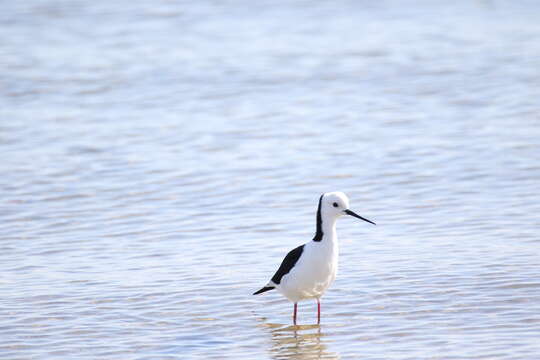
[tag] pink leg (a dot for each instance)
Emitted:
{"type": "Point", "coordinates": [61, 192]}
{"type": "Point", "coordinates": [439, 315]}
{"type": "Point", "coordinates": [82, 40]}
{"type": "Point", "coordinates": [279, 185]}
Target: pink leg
{"type": "Point", "coordinates": [294, 313]}
{"type": "Point", "coordinates": [318, 312]}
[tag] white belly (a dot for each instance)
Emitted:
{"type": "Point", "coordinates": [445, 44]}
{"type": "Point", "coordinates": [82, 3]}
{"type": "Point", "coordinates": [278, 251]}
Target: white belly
{"type": "Point", "coordinates": [312, 274]}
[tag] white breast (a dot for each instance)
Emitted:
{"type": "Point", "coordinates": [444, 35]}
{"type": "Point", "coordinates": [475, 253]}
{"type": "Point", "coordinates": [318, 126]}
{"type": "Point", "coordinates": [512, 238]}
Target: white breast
{"type": "Point", "coordinates": [313, 273]}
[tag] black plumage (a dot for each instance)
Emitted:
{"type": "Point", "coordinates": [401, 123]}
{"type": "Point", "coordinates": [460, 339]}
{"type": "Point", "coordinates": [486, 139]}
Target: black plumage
{"type": "Point", "coordinates": [286, 265]}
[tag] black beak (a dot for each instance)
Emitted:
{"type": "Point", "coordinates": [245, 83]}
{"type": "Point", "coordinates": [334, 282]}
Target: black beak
{"type": "Point", "coordinates": [352, 213]}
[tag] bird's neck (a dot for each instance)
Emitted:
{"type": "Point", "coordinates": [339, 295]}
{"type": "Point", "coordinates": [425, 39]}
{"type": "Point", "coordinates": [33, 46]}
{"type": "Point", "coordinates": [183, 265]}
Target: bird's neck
{"type": "Point", "coordinates": [326, 230]}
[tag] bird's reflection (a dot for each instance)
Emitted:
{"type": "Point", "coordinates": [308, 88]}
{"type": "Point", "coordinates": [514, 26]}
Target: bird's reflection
{"type": "Point", "coordinates": [298, 342]}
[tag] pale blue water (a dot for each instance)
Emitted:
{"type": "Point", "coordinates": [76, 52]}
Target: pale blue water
{"type": "Point", "coordinates": [159, 159]}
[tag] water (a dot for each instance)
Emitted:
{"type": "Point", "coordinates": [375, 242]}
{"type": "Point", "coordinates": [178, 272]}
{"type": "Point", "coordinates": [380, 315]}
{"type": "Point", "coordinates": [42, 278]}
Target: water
{"type": "Point", "coordinates": [159, 159]}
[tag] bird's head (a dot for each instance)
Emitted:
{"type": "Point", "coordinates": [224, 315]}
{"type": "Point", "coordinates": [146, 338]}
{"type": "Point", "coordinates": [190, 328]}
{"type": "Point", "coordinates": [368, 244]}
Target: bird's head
{"type": "Point", "coordinates": [336, 204]}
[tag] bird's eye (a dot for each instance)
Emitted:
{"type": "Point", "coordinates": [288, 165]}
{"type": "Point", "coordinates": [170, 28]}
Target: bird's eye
{"type": "Point", "coordinates": [335, 204]}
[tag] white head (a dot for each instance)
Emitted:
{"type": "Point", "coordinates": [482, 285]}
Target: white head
{"type": "Point", "coordinates": [331, 206]}
{"type": "Point", "coordinates": [336, 204]}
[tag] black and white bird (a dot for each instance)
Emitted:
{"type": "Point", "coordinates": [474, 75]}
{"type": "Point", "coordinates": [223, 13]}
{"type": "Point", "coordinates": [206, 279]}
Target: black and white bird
{"type": "Point", "coordinates": [307, 271]}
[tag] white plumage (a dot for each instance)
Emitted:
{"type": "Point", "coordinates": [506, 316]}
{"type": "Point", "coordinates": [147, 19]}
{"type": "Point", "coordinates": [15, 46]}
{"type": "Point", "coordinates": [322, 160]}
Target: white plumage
{"type": "Point", "coordinates": [314, 272]}
{"type": "Point", "coordinates": [308, 270]}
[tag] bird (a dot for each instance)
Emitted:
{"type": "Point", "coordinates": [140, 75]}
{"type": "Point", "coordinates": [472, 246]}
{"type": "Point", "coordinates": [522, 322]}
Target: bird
{"type": "Point", "coordinates": [307, 271]}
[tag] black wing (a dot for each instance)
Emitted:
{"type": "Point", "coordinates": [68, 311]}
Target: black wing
{"type": "Point", "coordinates": [287, 264]}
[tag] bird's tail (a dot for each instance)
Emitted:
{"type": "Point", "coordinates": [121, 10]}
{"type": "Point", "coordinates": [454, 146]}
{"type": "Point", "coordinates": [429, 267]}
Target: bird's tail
{"type": "Point", "coordinates": [264, 289]}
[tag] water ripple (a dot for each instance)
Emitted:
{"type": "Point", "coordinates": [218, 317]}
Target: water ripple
{"type": "Point", "coordinates": [160, 160]}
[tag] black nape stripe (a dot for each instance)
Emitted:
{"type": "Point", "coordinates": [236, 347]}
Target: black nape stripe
{"type": "Point", "coordinates": [319, 232]}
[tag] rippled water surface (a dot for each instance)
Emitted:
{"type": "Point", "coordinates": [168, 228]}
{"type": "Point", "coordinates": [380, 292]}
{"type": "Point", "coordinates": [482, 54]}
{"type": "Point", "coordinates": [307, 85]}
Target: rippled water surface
{"type": "Point", "coordinates": [160, 158]}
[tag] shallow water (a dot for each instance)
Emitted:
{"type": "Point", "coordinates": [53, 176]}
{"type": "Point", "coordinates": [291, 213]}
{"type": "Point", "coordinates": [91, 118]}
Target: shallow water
{"type": "Point", "coordinates": [159, 159]}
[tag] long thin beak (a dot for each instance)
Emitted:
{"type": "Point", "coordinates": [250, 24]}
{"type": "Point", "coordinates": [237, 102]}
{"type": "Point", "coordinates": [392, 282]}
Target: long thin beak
{"type": "Point", "coordinates": [352, 213]}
